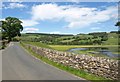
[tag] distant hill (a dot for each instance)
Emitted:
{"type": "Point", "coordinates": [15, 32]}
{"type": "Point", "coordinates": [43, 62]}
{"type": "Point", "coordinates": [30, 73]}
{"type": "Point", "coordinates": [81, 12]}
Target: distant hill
{"type": "Point", "coordinates": [110, 38]}
{"type": "Point", "coordinates": [50, 34]}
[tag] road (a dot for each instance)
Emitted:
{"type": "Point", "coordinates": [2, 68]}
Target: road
{"type": "Point", "coordinates": [18, 64]}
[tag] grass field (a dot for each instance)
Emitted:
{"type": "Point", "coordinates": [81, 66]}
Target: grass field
{"type": "Point", "coordinates": [67, 47]}
{"type": "Point", "coordinates": [82, 39]}
{"type": "Point", "coordinates": [112, 39]}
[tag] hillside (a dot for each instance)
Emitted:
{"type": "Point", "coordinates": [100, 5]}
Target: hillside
{"type": "Point", "coordinates": [112, 39]}
{"type": "Point", "coordinates": [96, 38]}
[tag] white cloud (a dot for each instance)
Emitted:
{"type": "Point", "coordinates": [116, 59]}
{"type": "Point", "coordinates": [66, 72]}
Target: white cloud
{"type": "Point", "coordinates": [30, 30]}
{"type": "Point", "coordinates": [95, 28]}
{"type": "Point", "coordinates": [26, 23]}
{"type": "Point", "coordinates": [46, 11]}
{"type": "Point", "coordinates": [15, 0]}
{"type": "Point", "coordinates": [29, 23]}
{"type": "Point", "coordinates": [58, 32]}
{"type": "Point", "coordinates": [2, 19]}
{"type": "Point", "coordinates": [76, 1]}
{"type": "Point", "coordinates": [55, 32]}
{"type": "Point", "coordinates": [76, 17]}
{"type": "Point", "coordinates": [14, 5]}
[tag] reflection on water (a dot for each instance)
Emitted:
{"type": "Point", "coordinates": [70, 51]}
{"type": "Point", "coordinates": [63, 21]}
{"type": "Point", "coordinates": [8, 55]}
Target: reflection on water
{"type": "Point", "coordinates": [105, 51]}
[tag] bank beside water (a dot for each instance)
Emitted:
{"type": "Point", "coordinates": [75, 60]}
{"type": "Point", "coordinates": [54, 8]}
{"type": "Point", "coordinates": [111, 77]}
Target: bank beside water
{"type": "Point", "coordinates": [98, 51]}
{"type": "Point", "coordinates": [111, 51]}
{"type": "Point", "coordinates": [67, 47]}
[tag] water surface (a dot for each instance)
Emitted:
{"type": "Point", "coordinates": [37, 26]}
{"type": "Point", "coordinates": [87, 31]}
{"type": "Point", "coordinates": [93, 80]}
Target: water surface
{"type": "Point", "coordinates": [110, 52]}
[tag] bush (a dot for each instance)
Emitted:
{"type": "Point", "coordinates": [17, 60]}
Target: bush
{"type": "Point", "coordinates": [4, 43]}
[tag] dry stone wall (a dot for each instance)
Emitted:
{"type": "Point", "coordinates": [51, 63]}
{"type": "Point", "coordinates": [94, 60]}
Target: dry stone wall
{"type": "Point", "coordinates": [100, 66]}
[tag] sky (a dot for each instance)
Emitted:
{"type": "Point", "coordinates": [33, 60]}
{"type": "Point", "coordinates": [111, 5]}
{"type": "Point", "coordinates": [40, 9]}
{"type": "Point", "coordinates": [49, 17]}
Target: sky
{"type": "Point", "coordinates": [63, 17]}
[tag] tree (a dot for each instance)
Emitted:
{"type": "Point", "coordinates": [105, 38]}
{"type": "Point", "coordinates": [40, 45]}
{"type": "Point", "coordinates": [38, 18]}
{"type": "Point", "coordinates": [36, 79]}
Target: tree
{"type": "Point", "coordinates": [0, 30]}
{"type": "Point", "coordinates": [117, 24]}
{"type": "Point", "coordinates": [11, 27]}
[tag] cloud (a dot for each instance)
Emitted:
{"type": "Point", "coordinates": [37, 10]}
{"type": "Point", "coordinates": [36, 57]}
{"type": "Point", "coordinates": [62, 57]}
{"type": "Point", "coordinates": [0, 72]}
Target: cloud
{"type": "Point", "coordinates": [58, 32]}
{"type": "Point", "coordinates": [76, 1]}
{"type": "Point", "coordinates": [15, 0]}
{"type": "Point", "coordinates": [76, 17]}
{"type": "Point", "coordinates": [30, 30]}
{"type": "Point", "coordinates": [55, 32]}
{"type": "Point", "coordinates": [2, 19]}
{"type": "Point", "coordinates": [45, 12]}
{"type": "Point", "coordinates": [29, 22]}
{"type": "Point", "coordinates": [95, 28]}
{"type": "Point", "coordinates": [14, 5]}
{"type": "Point", "coordinates": [26, 23]}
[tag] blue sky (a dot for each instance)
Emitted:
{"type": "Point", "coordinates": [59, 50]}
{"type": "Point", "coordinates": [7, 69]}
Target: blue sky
{"type": "Point", "coordinates": [63, 17]}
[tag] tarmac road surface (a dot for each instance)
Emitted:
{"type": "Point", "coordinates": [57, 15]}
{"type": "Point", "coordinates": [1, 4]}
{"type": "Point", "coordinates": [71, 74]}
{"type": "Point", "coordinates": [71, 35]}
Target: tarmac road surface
{"type": "Point", "coordinates": [18, 64]}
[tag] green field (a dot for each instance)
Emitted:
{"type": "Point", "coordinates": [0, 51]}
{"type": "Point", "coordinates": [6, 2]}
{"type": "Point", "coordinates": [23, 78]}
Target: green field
{"type": "Point", "coordinates": [87, 52]}
{"type": "Point", "coordinates": [67, 47]}
{"type": "Point", "coordinates": [112, 39]}
{"type": "Point", "coordinates": [99, 38]}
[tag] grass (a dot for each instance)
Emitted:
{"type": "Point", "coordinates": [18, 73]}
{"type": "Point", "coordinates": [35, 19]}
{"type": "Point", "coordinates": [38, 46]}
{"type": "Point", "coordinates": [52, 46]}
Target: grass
{"type": "Point", "coordinates": [87, 52]}
{"type": "Point", "coordinates": [112, 39]}
{"type": "Point", "coordinates": [68, 40]}
{"type": "Point", "coordinates": [74, 71]}
{"type": "Point", "coordinates": [67, 47]}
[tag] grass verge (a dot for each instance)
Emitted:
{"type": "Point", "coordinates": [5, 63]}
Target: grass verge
{"type": "Point", "coordinates": [80, 73]}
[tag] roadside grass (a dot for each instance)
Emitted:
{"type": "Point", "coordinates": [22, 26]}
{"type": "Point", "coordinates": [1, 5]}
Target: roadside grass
{"type": "Point", "coordinates": [67, 47]}
{"type": "Point", "coordinates": [80, 73]}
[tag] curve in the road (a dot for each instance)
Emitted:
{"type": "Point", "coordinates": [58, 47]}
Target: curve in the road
{"type": "Point", "coordinates": [17, 64]}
